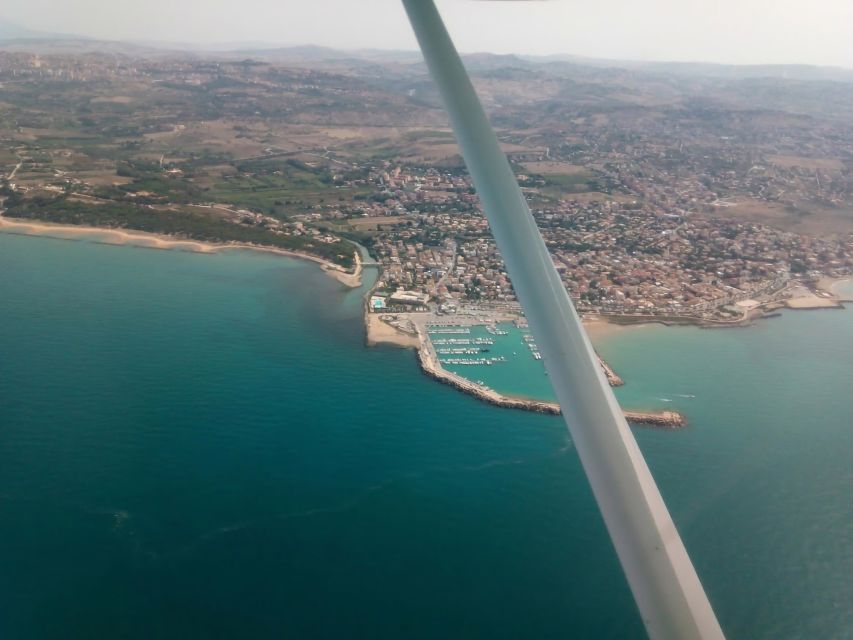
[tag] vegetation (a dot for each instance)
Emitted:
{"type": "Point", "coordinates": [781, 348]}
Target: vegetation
{"type": "Point", "coordinates": [185, 225]}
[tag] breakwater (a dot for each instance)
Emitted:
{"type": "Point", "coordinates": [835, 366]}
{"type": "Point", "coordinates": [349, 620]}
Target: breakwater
{"type": "Point", "coordinates": [613, 378]}
{"type": "Point", "coordinates": [430, 365]}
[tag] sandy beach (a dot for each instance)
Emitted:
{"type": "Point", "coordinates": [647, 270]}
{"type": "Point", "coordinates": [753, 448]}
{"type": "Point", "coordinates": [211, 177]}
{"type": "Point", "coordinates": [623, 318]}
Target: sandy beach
{"type": "Point", "coordinates": [812, 302]}
{"type": "Point", "coordinates": [598, 327]}
{"type": "Point", "coordinates": [352, 280]}
{"type": "Point", "coordinates": [157, 241]}
{"type": "Point", "coordinates": [803, 298]}
{"type": "Point", "coordinates": [379, 332]}
{"type": "Point", "coordinates": [833, 286]}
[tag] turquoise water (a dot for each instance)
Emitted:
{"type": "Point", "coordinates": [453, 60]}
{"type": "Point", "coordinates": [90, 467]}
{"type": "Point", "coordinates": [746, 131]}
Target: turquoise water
{"type": "Point", "coordinates": [200, 446]}
{"type": "Point", "coordinates": [519, 375]}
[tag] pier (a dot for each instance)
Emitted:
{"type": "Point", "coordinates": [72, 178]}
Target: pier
{"type": "Point", "coordinates": [613, 378]}
{"type": "Point", "coordinates": [432, 341]}
{"type": "Point", "coordinates": [431, 366]}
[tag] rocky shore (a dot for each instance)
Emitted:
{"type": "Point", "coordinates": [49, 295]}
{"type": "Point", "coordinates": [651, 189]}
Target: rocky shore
{"type": "Point", "coordinates": [613, 378]}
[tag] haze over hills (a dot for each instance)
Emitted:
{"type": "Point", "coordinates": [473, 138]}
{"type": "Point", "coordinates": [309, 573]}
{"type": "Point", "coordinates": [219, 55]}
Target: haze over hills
{"type": "Point", "coordinates": [11, 31]}
{"type": "Point", "coordinates": [21, 38]}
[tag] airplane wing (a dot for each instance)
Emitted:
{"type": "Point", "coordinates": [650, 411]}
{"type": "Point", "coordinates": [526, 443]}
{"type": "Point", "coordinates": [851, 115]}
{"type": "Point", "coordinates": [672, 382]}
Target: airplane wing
{"type": "Point", "coordinates": [670, 597]}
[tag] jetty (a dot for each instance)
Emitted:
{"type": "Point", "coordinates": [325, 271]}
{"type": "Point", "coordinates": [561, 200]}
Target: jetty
{"type": "Point", "coordinates": [613, 378]}
{"type": "Point", "coordinates": [431, 366]}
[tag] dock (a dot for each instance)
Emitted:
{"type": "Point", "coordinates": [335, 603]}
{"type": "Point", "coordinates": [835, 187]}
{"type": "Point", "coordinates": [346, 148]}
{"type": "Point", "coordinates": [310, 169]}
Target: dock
{"type": "Point", "coordinates": [431, 366]}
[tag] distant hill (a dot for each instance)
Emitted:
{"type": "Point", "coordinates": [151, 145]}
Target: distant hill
{"type": "Point", "coordinates": [706, 69]}
{"type": "Point", "coordinates": [484, 62]}
{"type": "Point", "coordinates": [12, 31]}
{"type": "Point", "coordinates": [18, 37]}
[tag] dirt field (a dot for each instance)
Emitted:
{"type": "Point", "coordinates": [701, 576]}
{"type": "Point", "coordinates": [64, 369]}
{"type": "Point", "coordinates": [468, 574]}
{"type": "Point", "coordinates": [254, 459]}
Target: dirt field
{"type": "Point", "coordinates": [102, 178]}
{"type": "Point", "coordinates": [823, 164]}
{"type": "Point", "coordinates": [547, 167]}
{"type": "Point", "coordinates": [219, 136]}
{"type": "Point", "coordinates": [114, 99]}
{"type": "Point", "coordinates": [597, 196]}
{"type": "Point", "coordinates": [372, 222]}
{"type": "Point", "coordinates": [812, 220]}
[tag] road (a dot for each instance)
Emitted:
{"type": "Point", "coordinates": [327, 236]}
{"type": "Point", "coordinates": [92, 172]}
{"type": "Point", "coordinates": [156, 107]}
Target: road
{"type": "Point", "coordinates": [11, 176]}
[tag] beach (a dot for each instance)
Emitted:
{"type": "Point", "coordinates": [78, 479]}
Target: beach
{"type": "Point", "coordinates": [380, 332]}
{"type": "Point", "coordinates": [599, 327]}
{"type": "Point", "coordinates": [833, 286]}
{"type": "Point", "coordinates": [159, 241]}
{"type": "Point", "coordinates": [352, 280]}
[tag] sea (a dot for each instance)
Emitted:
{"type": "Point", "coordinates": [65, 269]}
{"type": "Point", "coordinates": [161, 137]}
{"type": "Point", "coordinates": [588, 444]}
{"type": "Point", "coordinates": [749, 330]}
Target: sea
{"type": "Point", "coordinates": [201, 446]}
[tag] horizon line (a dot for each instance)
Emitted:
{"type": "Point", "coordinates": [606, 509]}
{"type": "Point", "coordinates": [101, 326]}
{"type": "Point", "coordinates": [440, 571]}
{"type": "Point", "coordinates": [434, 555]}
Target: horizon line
{"type": "Point", "coordinates": [250, 46]}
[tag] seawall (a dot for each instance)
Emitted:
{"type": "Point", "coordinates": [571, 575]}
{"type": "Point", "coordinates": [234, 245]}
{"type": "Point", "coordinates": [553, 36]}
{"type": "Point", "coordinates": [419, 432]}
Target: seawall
{"type": "Point", "coordinates": [429, 365]}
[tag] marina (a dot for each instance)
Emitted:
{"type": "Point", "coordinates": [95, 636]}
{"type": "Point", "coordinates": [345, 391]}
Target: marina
{"type": "Point", "coordinates": [463, 341]}
{"type": "Point", "coordinates": [460, 351]}
{"type": "Point", "coordinates": [450, 330]}
{"type": "Point", "coordinates": [512, 366]}
{"type": "Point", "coordinates": [474, 362]}
{"type": "Point", "coordinates": [509, 344]}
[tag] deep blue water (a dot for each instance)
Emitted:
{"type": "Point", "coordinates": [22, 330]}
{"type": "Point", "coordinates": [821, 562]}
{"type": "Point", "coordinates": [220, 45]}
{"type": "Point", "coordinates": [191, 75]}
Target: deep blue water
{"type": "Point", "coordinates": [201, 446]}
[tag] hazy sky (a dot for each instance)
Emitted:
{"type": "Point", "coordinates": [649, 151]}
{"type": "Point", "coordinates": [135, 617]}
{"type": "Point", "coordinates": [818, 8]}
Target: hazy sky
{"type": "Point", "coordinates": [731, 31]}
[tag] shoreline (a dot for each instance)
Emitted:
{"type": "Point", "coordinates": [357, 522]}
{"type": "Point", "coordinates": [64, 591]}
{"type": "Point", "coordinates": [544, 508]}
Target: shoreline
{"type": "Point", "coordinates": [829, 285]}
{"type": "Point", "coordinates": [433, 369]}
{"type": "Point", "coordinates": [378, 331]}
{"type": "Point", "coordinates": [804, 300]}
{"type": "Point", "coordinates": [146, 240]}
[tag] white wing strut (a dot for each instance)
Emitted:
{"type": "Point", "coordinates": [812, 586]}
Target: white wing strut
{"type": "Point", "coordinates": [667, 590]}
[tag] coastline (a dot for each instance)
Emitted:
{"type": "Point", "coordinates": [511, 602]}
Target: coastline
{"type": "Point", "coordinates": [830, 286]}
{"type": "Point", "coordinates": [146, 240]}
{"type": "Point", "coordinates": [431, 367]}
{"type": "Point", "coordinates": [351, 280]}
{"type": "Point", "coordinates": [378, 331]}
{"type": "Point", "coordinates": [800, 298]}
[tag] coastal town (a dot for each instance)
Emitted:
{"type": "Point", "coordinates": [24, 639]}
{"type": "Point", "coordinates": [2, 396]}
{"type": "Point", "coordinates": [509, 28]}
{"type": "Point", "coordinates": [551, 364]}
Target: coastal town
{"type": "Point", "coordinates": [620, 259]}
{"type": "Point", "coordinates": [709, 207]}
{"type": "Point", "coordinates": [645, 216]}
